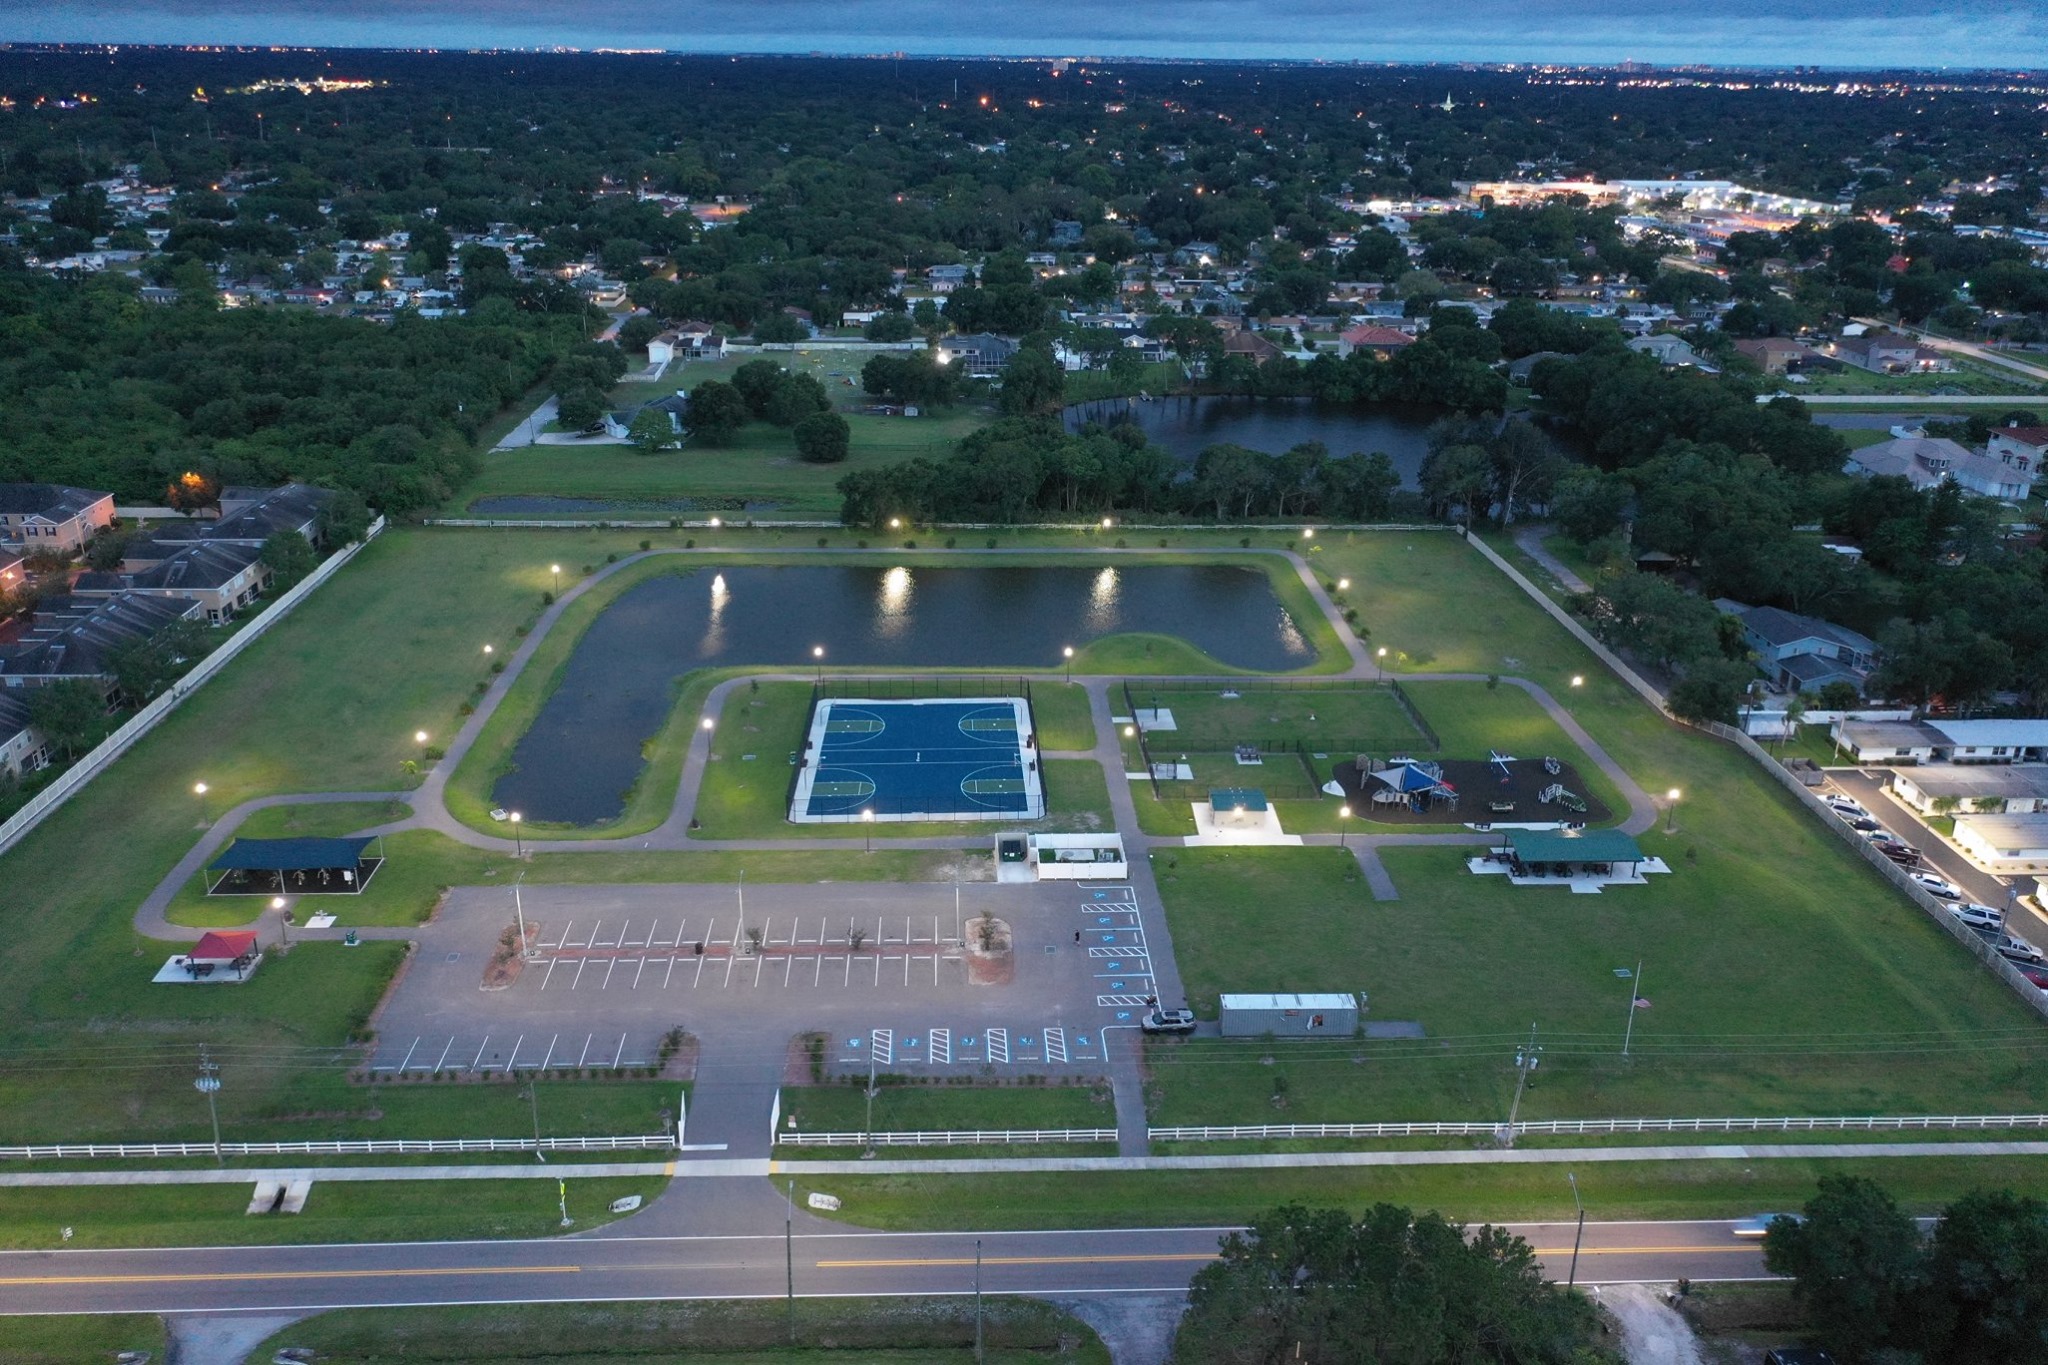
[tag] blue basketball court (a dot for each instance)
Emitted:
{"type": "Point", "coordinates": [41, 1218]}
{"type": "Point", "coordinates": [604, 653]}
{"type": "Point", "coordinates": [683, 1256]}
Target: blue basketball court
{"type": "Point", "coordinates": [970, 758]}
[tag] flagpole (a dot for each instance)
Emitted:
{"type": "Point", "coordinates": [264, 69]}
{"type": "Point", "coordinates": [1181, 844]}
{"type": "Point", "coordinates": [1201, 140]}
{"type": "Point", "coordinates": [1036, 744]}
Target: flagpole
{"type": "Point", "coordinates": [1635, 993]}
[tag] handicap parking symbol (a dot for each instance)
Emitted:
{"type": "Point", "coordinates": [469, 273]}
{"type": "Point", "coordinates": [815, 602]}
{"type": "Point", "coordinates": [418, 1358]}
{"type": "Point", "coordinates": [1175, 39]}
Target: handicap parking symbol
{"type": "Point", "coordinates": [1080, 1040]}
{"type": "Point", "coordinates": [969, 1042]}
{"type": "Point", "coordinates": [1109, 938]}
{"type": "Point", "coordinates": [1116, 985]}
{"type": "Point", "coordinates": [1027, 1041]}
{"type": "Point", "coordinates": [912, 1042]}
{"type": "Point", "coordinates": [1102, 895]}
{"type": "Point", "coordinates": [1123, 1014]}
{"type": "Point", "coordinates": [855, 1042]}
{"type": "Point", "coordinates": [1102, 919]}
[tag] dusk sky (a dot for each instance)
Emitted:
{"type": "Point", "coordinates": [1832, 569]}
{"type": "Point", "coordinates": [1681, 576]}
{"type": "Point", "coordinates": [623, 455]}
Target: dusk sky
{"type": "Point", "coordinates": [1776, 32]}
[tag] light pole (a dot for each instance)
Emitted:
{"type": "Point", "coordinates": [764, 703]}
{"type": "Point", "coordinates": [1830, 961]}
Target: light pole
{"type": "Point", "coordinates": [489, 650]}
{"type": "Point", "coordinates": [556, 570]}
{"type": "Point", "coordinates": [518, 843]}
{"type": "Point", "coordinates": [1343, 585]}
{"type": "Point", "coordinates": [789, 1257]}
{"type": "Point", "coordinates": [1671, 811]}
{"type": "Point", "coordinates": [818, 655]}
{"type": "Point", "coordinates": [867, 816]}
{"type": "Point", "coordinates": [1635, 993]}
{"type": "Point", "coordinates": [1380, 659]}
{"type": "Point", "coordinates": [1343, 826]}
{"type": "Point", "coordinates": [199, 790]}
{"type": "Point", "coordinates": [1572, 1277]}
{"type": "Point", "coordinates": [869, 1130]}
{"type": "Point", "coordinates": [1067, 653]}
{"type": "Point", "coordinates": [284, 921]}
{"type": "Point", "coordinates": [1578, 680]}
{"type": "Point", "coordinates": [208, 1085]}
{"type": "Point", "coordinates": [519, 914]}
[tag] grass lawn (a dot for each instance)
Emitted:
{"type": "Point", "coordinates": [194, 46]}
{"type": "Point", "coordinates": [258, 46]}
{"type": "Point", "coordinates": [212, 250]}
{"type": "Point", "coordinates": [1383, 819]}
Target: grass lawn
{"type": "Point", "coordinates": [1537, 1192]}
{"type": "Point", "coordinates": [844, 1331]}
{"type": "Point", "coordinates": [745, 793]}
{"type": "Point", "coordinates": [907, 1108]}
{"type": "Point", "coordinates": [1968, 377]}
{"type": "Point", "coordinates": [69, 1340]}
{"type": "Point", "coordinates": [759, 470]}
{"type": "Point", "coordinates": [1065, 724]}
{"type": "Point", "coordinates": [1333, 717]}
{"type": "Point", "coordinates": [337, 1211]}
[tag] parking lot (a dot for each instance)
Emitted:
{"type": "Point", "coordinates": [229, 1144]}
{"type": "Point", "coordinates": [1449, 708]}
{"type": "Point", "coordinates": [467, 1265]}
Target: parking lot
{"type": "Point", "coordinates": [1866, 787]}
{"type": "Point", "coordinates": [881, 971]}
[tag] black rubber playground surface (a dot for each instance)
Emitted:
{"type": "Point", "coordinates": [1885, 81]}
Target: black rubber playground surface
{"type": "Point", "coordinates": [903, 758]}
{"type": "Point", "coordinates": [1480, 785]}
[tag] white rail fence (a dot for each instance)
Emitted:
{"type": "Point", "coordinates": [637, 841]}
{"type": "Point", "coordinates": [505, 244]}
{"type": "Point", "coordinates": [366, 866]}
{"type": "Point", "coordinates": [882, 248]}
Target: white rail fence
{"type": "Point", "coordinates": [344, 1147]}
{"type": "Point", "coordinates": [1606, 1127]}
{"type": "Point", "coordinates": [944, 1138]}
{"type": "Point", "coordinates": [39, 808]}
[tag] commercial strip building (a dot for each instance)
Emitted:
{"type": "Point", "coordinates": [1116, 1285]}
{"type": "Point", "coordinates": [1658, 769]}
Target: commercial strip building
{"type": "Point", "coordinates": [1973, 788]}
{"type": "Point", "coordinates": [1943, 741]}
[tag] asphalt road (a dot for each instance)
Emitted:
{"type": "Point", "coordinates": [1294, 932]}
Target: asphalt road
{"type": "Point", "coordinates": [253, 1279]}
{"type": "Point", "coordinates": [1936, 854]}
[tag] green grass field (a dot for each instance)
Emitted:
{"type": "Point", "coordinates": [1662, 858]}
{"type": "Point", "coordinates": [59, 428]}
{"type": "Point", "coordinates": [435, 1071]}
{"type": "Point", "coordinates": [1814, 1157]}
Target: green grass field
{"type": "Point", "coordinates": [904, 1108]}
{"type": "Point", "coordinates": [1538, 1191]}
{"type": "Point", "coordinates": [69, 1340]}
{"type": "Point", "coordinates": [939, 1331]}
{"type": "Point", "coordinates": [337, 1211]}
{"type": "Point", "coordinates": [1334, 717]}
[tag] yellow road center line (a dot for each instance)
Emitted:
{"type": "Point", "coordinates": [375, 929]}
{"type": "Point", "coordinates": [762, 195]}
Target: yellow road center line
{"type": "Point", "coordinates": [230, 1276]}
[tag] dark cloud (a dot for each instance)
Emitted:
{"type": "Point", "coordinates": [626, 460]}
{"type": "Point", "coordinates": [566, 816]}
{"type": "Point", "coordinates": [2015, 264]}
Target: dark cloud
{"type": "Point", "coordinates": [1878, 32]}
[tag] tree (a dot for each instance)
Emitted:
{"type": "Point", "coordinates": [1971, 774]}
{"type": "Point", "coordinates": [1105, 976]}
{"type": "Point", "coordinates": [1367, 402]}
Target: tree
{"type": "Point", "coordinates": [1987, 1282]}
{"type": "Point", "coordinates": [890, 327]}
{"type": "Point", "coordinates": [1855, 1262]}
{"type": "Point", "coordinates": [781, 329]}
{"type": "Point", "coordinates": [636, 331]}
{"type": "Point", "coordinates": [68, 714]}
{"type": "Point", "coordinates": [823, 438]}
{"type": "Point", "coordinates": [1458, 476]}
{"type": "Point", "coordinates": [653, 430]}
{"type": "Point", "coordinates": [1392, 1287]}
{"type": "Point", "coordinates": [757, 381]}
{"type": "Point", "coordinates": [1712, 689]}
{"type": "Point", "coordinates": [343, 518]}
{"type": "Point", "coordinates": [289, 557]}
{"type": "Point", "coordinates": [580, 407]}
{"type": "Point", "coordinates": [715, 414]}
{"type": "Point", "coordinates": [795, 398]}
{"type": "Point", "coordinates": [1033, 384]}
{"type": "Point", "coordinates": [145, 666]}
{"type": "Point", "coordinates": [1587, 504]}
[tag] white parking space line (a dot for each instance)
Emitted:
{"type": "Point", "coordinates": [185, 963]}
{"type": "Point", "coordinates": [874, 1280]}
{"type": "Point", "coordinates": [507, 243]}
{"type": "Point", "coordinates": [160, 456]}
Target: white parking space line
{"type": "Point", "coordinates": [609, 968]}
{"type": "Point", "coordinates": [591, 942]}
{"type": "Point", "coordinates": [553, 963]}
{"type": "Point", "coordinates": [637, 971]}
{"type": "Point", "coordinates": [480, 1052]}
{"type": "Point", "coordinates": [942, 1047]}
{"type": "Point", "coordinates": [512, 1063]}
{"type": "Point", "coordinates": [788, 966]}
{"type": "Point", "coordinates": [622, 936]}
{"type": "Point", "coordinates": [444, 1056]}
{"type": "Point", "coordinates": [670, 972]}
{"type": "Point", "coordinates": [699, 977]}
{"type": "Point", "coordinates": [581, 963]}
{"type": "Point", "coordinates": [553, 1038]}
{"type": "Point", "coordinates": [759, 963]}
{"type": "Point", "coordinates": [999, 1046]}
{"type": "Point", "coordinates": [586, 1050]}
{"type": "Point", "coordinates": [1055, 1045]}
{"type": "Point", "coordinates": [408, 1054]}
{"type": "Point", "coordinates": [563, 941]}
{"type": "Point", "coordinates": [620, 1055]}
{"type": "Point", "coordinates": [818, 974]}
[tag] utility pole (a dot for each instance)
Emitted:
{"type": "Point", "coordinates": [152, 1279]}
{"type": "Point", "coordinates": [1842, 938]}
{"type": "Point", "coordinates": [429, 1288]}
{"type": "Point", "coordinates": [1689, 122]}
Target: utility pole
{"type": "Point", "coordinates": [870, 1129]}
{"type": "Point", "coordinates": [977, 1302]}
{"type": "Point", "coordinates": [208, 1085]}
{"type": "Point", "coordinates": [1635, 993]}
{"type": "Point", "coordinates": [519, 913]}
{"type": "Point", "coordinates": [789, 1256]}
{"type": "Point", "coordinates": [1527, 1058]}
{"type": "Point", "coordinates": [1572, 1278]}
{"type": "Point", "coordinates": [533, 1100]}
{"type": "Point", "coordinates": [743, 897]}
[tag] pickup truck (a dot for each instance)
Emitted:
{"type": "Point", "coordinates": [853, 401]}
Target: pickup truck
{"type": "Point", "coordinates": [1168, 1021]}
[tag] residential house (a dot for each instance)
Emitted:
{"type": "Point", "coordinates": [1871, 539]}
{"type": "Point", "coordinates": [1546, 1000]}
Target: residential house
{"type": "Point", "coordinates": [1775, 355]}
{"type": "Point", "coordinates": [2004, 843]}
{"type": "Point", "coordinates": [661, 349]}
{"type": "Point", "coordinates": [1066, 234]}
{"type": "Point", "coordinates": [1888, 741]}
{"type": "Point", "coordinates": [977, 353]}
{"type": "Point", "coordinates": [944, 279]}
{"type": "Point", "coordinates": [1946, 741]}
{"type": "Point", "coordinates": [1667, 348]}
{"type": "Point", "coordinates": [2024, 448]}
{"type": "Point", "coordinates": [74, 636]}
{"type": "Point", "coordinates": [1366, 336]}
{"type": "Point", "coordinates": [221, 576]}
{"type": "Point", "coordinates": [618, 424]}
{"type": "Point", "coordinates": [1889, 353]}
{"type": "Point", "coordinates": [1925, 461]}
{"type": "Point", "coordinates": [50, 516]}
{"type": "Point", "coordinates": [1986, 789]}
{"type": "Point", "coordinates": [22, 747]}
{"type": "Point", "coordinates": [1802, 652]}
{"type": "Point", "coordinates": [1252, 346]}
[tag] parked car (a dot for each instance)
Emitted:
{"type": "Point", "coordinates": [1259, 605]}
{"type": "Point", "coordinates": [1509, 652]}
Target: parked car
{"type": "Point", "coordinates": [1168, 1021]}
{"type": "Point", "coordinates": [1882, 836]}
{"type": "Point", "coordinates": [1798, 1355]}
{"type": "Point", "coordinates": [1938, 887]}
{"type": "Point", "coordinates": [2011, 947]}
{"type": "Point", "coordinates": [2037, 975]}
{"type": "Point", "coordinates": [1903, 854]}
{"type": "Point", "coordinates": [1862, 824]}
{"type": "Point", "coordinates": [1757, 1224]}
{"type": "Point", "coordinates": [1844, 805]}
{"type": "Point", "coordinates": [1978, 916]}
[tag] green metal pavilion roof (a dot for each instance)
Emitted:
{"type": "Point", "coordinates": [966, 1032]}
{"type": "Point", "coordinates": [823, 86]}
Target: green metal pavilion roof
{"type": "Point", "coordinates": [1564, 846]}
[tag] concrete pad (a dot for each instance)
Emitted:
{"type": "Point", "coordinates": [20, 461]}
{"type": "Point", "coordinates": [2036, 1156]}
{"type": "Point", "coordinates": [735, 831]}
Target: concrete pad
{"type": "Point", "coordinates": [223, 1338]}
{"type": "Point", "coordinates": [295, 1196]}
{"type": "Point", "coordinates": [1209, 835]}
{"type": "Point", "coordinates": [265, 1198]}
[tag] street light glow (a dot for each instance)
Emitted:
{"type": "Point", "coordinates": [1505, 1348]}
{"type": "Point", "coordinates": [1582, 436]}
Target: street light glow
{"type": "Point", "coordinates": [707, 722]}
{"type": "Point", "coordinates": [419, 736]}
{"type": "Point", "coordinates": [1106, 523]}
{"type": "Point", "coordinates": [1671, 795]}
{"type": "Point", "coordinates": [1578, 680]}
{"type": "Point", "coordinates": [716, 523]}
{"type": "Point", "coordinates": [490, 649]}
{"type": "Point", "coordinates": [1343, 585]}
{"type": "Point", "coordinates": [895, 522]}
{"type": "Point", "coordinates": [199, 789]}
{"type": "Point", "coordinates": [554, 568]}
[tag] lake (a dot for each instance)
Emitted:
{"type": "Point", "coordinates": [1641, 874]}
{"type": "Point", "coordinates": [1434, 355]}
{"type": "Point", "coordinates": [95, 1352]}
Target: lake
{"type": "Point", "coordinates": [583, 752]}
{"type": "Point", "coordinates": [1187, 425]}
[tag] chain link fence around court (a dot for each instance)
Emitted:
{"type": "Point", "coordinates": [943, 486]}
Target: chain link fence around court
{"type": "Point", "coordinates": [885, 807]}
{"type": "Point", "coordinates": [1284, 737]}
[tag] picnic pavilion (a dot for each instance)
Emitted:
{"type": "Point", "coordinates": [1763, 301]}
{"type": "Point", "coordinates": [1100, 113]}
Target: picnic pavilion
{"type": "Point", "coordinates": [298, 867]}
